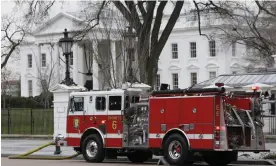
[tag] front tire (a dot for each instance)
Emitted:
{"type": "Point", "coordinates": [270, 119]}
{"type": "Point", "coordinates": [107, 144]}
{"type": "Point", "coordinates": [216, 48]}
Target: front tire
{"type": "Point", "coordinates": [92, 149]}
{"type": "Point", "coordinates": [175, 149]}
{"type": "Point", "coordinates": [140, 156]}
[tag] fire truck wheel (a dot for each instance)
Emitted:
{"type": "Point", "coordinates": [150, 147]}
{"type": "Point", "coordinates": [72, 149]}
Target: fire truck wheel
{"type": "Point", "coordinates": [140, 156]}
{"type": "Point", "coordinates": [92, 149]}
{"type": "Point", "coordinates": [175, 149]}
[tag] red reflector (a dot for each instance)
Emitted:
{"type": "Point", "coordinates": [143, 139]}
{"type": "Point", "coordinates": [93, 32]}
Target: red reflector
{"type": "Point", "coordinates": [220, 128]}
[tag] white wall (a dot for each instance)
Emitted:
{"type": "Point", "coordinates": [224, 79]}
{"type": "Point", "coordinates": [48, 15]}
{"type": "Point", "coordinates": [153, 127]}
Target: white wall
{"type": "Point", "coordinates": [223, 63]}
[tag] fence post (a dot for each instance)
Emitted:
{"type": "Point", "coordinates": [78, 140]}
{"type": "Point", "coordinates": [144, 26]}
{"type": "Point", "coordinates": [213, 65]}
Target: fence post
{"type": "Point", "coordinates": [9, 121]}
{"type": "Point", "coordinates": [32, 122]}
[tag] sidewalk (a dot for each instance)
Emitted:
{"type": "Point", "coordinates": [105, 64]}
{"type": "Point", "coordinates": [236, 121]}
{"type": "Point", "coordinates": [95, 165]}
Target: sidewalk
{"type": "Point", "coordinates": [15, 147]}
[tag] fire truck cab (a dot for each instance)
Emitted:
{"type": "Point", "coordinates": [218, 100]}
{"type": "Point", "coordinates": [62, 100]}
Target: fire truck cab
{"type": "Point", "coordinates": [180, 125]}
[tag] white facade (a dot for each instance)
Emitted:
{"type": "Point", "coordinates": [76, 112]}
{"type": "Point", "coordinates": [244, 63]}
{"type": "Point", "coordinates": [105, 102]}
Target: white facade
{"type": "Point", "coordinates": [181, 66]}
{"type": "Point", "coordinates": [194, 62]}
{"type": "Point", "coordinates": [41, 57]}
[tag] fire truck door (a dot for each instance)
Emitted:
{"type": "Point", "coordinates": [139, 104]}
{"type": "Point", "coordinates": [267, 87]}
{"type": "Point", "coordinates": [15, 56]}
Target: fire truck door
{"type": "Point", "coordinates": [76, 118]}
{"type": "Point", "coordinates": [97, 112]}
{"type": "Point", "coordinates": [114, 121]}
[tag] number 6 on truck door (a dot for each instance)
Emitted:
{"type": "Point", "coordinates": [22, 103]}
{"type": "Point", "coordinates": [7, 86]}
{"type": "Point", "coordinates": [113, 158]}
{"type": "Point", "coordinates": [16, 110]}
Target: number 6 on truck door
{"type": "Point", "coordinates": [114, 124]}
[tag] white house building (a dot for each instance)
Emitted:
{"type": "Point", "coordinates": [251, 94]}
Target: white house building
{"type": "Point", "coordinates": [186, 59]}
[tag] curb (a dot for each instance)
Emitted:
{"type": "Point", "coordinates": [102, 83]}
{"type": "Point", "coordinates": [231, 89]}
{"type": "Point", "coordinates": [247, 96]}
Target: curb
{"type": "Point", "coordinates": [124, 159]}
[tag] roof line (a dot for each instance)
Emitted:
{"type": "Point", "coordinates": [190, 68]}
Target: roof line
{"type": "Point", "coordinates": [54, 18]}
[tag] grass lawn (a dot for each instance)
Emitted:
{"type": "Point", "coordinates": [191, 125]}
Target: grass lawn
{"type": "Point", "coordinates": [25, 121]}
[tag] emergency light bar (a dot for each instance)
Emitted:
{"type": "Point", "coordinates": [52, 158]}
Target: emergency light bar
{"type": "Point", "coordinates": [189, 91]}
{"type": "Point", "coordinates": [219, 84]}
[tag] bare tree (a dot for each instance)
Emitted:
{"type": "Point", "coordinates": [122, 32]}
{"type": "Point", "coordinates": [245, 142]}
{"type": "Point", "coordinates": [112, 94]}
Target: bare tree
{"type": "Point", "coordinates": [248, 23]}
{"type": "Point", "coordinates": [142, 17]}
{"type": "Point", "coordinates": [6, 86]}
{"type": "Point", "coordinates": [12, 36]}
{"type": "Point", "coordinates": [15, 25]}
{"type": "Point", "coordinates": [106, 46]}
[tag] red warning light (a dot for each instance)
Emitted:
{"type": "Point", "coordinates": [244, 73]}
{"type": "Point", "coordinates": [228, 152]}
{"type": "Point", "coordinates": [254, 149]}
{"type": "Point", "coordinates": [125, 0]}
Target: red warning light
{"type": "Point", "coordinates": [255, 87]}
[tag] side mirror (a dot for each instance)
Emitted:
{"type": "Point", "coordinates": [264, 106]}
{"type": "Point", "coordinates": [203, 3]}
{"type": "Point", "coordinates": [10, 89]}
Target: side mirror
{"type": "Point", "coordinates": [122, 115]}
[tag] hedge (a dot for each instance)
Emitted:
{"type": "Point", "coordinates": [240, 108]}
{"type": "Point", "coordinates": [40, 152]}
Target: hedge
{"type": "Point", "coordinates": [25, 102]}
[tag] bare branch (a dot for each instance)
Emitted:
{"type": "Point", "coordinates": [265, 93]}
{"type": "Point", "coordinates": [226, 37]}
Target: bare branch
{"type": "Point", "coordinates": [264, 9]}
{"type": "Point", "coordinates": [199, 22]}
{"type": "Point", "coordinates": [142, 9]}
{"type": "Point", "coordinates": [157, 23]}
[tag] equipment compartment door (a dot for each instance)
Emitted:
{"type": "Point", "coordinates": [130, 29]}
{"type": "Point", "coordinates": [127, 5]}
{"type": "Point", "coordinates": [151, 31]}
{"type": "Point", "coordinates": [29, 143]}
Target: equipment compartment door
{"type": "Point", "coordinates": [114, 121]}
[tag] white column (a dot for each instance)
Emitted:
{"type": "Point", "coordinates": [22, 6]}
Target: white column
{"type": "Point", "coordinates": [74, 69]}
{"type": "Point", "coordinates": [113, 62]}
{"type": "Point", "coordinates": [274, 56]}
{"type": "Point", "coordinates": [58, 64]}
{"type": "Point", "coordinates": [95, 68]}
{"type": "Point", "coordinates": [80, 65]}
{"type": "Point", "coordinates": [37, 59]}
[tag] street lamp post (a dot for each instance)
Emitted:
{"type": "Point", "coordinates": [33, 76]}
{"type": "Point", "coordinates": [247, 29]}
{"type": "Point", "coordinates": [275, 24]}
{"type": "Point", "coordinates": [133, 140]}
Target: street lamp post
{"type": "Point", "coordinates": [66, 44]}
{"type": "Point", "coordinates": [129, 37]}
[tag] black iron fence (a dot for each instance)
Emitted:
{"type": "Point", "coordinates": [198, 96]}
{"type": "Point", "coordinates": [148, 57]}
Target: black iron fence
{"type": "Point", "coordinates": [269, 124]}
{"type": "Point", "coordinates": [27, 121]}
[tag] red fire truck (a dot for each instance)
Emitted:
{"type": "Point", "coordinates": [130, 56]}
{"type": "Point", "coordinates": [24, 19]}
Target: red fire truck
{"type": "Point", "coordinates": [180, 125]}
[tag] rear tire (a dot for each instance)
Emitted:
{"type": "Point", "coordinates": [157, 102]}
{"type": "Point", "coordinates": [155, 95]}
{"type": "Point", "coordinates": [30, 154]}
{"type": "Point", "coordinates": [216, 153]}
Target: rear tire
{"type": "Point", "coordinates": [176, 149]}
{"type": "Point", "coordinates": [140, 156]}
{"type": "Point", "coordinates": [92, 149]}
{"type": "Point", "coordinates": [220, 158]}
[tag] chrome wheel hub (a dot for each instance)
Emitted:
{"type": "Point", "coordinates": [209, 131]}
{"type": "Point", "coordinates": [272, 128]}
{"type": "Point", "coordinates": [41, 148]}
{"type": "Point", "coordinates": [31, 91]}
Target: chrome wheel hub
{"type": "Point", "coordinates": [175, 150]}
{"type": "Point", "coordinates": [91, 149]}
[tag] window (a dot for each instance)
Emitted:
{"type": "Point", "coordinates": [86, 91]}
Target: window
{"type": "Point", "coordinates": [234, 72]}
{"type": "Point", "coordinates": [212, 48]}
{"type": "Point", "coordinates": [77, 104]}
{"type": "Point", "coordinates": [135, 99]}
{"type": "Point", "coordinates": [212, 74]}
{"type": "Point", "coordinates": [157, 81]}
{"type": "Point", "coordinates": [193, 49]}
{"type": "Point", "coordinates": [100, 103]}
{"type": "Point", "coordinates": [71, 59]}
{"type": "Point", "coordinates": [174, 51]}
{"type": "Point", "coordinates": [233, 48]}
{"type": "Point", "coordinates": [43, 60]}
{"type": "Point", "coordinates": [175, 80]}
{"type": "Point", "coordinates": [193, 78]}
{"type": "Point", "coordinates": [30, 61]}
{"type": "Point", "coordinates": [30, 87]}
{"type": "Point", "coordinates": [115, 103]}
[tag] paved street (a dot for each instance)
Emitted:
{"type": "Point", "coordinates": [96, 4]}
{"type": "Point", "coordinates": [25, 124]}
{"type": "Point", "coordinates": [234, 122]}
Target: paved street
{"type": "Point", "coordinates": [12, 162]}
{"type": "Point", "coordinates": [13, 147]}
